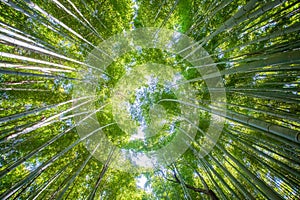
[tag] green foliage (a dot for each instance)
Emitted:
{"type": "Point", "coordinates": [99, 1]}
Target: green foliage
{"type": "Point", "coordinates": [254, 44]}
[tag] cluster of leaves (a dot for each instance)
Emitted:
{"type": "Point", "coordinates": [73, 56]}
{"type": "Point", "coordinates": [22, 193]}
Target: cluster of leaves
{"type": "Point", "coordinates": [255, 45]}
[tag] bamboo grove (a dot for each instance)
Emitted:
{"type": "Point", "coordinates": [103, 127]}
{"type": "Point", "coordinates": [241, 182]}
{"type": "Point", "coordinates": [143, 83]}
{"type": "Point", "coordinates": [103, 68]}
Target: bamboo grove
{"type": "Point", "coordinates": [255, 46]}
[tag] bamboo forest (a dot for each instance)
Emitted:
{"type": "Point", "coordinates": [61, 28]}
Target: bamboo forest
{"type": "Point", "coordinates": [149, 99]}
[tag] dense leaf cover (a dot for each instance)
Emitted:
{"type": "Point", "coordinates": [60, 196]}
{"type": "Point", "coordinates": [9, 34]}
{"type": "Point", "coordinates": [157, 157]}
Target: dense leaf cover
{"type": "Point", "coordinates": [255, 46]}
